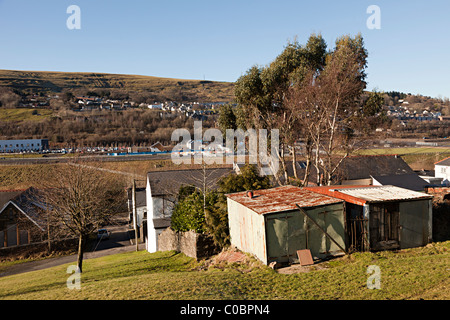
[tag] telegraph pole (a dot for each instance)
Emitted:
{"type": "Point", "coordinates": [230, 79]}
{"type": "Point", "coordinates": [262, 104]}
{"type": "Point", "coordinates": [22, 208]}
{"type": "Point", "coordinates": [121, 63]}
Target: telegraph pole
{"type": "Point", "coordinates": [133, 197]}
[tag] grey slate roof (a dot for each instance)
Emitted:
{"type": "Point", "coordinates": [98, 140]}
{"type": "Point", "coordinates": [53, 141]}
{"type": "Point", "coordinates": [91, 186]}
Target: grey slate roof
{"type": "Point", "coordinates": [141, 199]}
{"type": "Point", "coordinates": [30, 203]}
{"type": "Point", "coordinates": [169, 182]}
{"type": "Point", "coordinates": [6, 196]}
{"type": "Point", "coordinates": [408, 181]}
{"type": "Point", "coordinates": [444, 162]}
{"type": "Point", "coordinates": [161, 223]}
{"type": "Point", "coordinates": [363, 167]}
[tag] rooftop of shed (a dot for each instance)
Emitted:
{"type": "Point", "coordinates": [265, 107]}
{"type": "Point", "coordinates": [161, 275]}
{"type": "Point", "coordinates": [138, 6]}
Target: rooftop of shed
{"type": "Point", "coordinates": [281, 199]}
{"type": "Point", "coordinates": [370, 194]}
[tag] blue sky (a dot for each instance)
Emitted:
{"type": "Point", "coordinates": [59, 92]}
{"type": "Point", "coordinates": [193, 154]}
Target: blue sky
{"type": "Point", "coordinates": [220, 40]}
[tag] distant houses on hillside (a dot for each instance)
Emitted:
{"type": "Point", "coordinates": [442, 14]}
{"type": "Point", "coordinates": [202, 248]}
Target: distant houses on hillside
{"type": "Point", "coordinates": [195, 110]}
{"type": "Point", "coordinates": [402, 112]}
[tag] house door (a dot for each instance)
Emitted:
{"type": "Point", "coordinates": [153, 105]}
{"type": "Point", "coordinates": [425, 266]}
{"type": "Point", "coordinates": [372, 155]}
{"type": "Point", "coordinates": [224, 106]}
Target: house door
{"type": "Point", "coordinates": [384, 226]}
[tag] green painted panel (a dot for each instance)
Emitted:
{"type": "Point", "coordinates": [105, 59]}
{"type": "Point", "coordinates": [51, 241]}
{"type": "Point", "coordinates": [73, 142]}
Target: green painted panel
{"type": "Point", "coordinates": [414, 219]}
{"type": "Point", "coordinates": [334, 220]}
{"type": "Point", "coordinates": [285, 235]}
{"type": "Point", "coordinates": [316, 238]}
{"type": "Point", "coordinates": [277, 230]}
{"type": "Point", "coordinates": [296, 235]}
{"type": "Point", "coordinates": [331, 219]}
{"type": "Point", "coordinates": [290, 231]}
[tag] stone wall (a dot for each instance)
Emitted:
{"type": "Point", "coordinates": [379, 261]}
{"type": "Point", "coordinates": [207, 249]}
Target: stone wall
{"type": "Point", "coordinates": [194, 245]}
{"type": "Point", "coordinates": [37, 249]}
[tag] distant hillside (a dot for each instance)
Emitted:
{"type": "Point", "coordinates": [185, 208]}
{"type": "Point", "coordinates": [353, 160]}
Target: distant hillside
{"type": "Point", "coordinates": [158, 88]}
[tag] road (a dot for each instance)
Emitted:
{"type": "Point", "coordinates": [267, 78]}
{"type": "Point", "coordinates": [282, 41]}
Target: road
{"type": "Point", "coordinates": [119, 242]}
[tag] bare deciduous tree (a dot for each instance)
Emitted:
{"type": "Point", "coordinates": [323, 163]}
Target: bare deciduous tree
{"type": "Point", "coordinates": [82, 199]}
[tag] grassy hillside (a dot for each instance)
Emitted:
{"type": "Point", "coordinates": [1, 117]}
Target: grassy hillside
{"type": "Point", "coordinates": [420, 273]}
{"type": "Point", "coordinates": [416, 158]}
{"type": "Point", "coordinates": [40, 81]}
{"type": "Point", "coordinates": [24, 114]}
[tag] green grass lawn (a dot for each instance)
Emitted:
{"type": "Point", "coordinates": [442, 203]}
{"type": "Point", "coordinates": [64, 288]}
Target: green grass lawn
{"type": "Point", "coordinates": [421, 273]}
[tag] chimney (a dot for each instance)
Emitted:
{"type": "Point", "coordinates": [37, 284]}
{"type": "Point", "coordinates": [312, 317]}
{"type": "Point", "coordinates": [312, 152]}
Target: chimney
{"type": "Point", "coordinates": [250, 194]}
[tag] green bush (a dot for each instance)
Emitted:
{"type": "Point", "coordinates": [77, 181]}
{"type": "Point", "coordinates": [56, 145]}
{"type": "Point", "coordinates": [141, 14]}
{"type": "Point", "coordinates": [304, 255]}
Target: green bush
{"type": "Point", "coordinates": [188, 214]}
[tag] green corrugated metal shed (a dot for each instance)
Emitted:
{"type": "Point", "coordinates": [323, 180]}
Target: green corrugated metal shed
{"type": "Point", "coordinates": [270, 226]}
{"type": "Point", "coordinates": [391, 217]}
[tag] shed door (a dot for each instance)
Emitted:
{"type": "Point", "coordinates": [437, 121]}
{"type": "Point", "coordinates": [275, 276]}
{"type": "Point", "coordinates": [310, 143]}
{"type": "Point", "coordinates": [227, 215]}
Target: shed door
{"type": "Point", "coordinates": [285, 235]}
{"type": "Point", "coordinates": [384, 226]}
{"type": "Point", "coordinates": [414, 218]}
{"type": "Point", "coordinates": [332, 221]}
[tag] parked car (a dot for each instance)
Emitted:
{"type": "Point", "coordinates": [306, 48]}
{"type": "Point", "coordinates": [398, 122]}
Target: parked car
{"type": "Point", "coordinates": [103, 234]}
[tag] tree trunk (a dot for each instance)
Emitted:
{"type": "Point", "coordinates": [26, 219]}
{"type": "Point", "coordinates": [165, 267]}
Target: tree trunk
{"type": "Point", "coordinates": [49, 242]}
{"type": "Point", "coordinates": [294, 161]}
{"type": "Point", "coordinates": [81, 247]}
{"type": "Point", "coordinates": [308, 153]}
{"type": "Point", "coordinates": [283, 164]}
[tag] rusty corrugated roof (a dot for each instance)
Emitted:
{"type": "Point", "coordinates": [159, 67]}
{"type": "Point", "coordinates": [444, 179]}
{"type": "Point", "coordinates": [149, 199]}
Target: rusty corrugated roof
{"type": "Point", "coordinates": [281, 199]}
